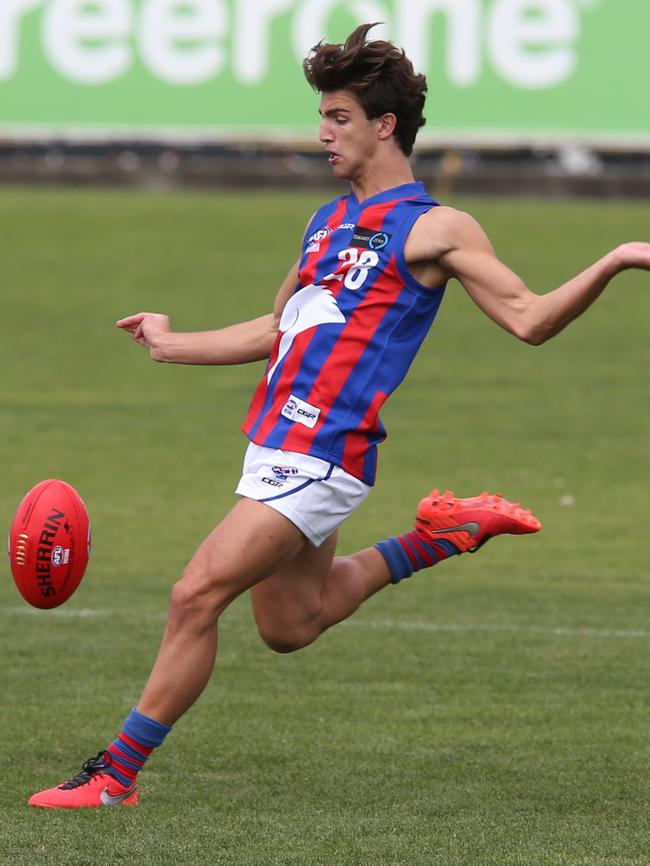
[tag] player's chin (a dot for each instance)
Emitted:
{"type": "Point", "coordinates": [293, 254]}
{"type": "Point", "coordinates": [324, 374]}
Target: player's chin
{"type": "Point", "coordinates": [340, 170]}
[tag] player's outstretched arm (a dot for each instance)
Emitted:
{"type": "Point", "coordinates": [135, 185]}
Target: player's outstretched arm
{"type": "Point", "coordinates": [236, 344]}
{"type": "Point", "coordinates": [468, 255]}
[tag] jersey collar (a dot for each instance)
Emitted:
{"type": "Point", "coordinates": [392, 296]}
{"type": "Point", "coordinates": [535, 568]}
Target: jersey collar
{"type": "Point", "coordinates": [404, 190]}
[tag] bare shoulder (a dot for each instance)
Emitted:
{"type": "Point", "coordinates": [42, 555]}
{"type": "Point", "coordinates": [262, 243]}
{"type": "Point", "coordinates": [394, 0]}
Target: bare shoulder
{"type": "Point", "coordinates": [438, 232]}
{"type": "Point", "coordinates": [442, 229]}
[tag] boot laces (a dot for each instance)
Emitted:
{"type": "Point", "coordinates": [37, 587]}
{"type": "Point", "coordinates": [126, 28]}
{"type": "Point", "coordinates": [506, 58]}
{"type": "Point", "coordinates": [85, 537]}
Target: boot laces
{"type": "Point", "coordinates": [89, 769]}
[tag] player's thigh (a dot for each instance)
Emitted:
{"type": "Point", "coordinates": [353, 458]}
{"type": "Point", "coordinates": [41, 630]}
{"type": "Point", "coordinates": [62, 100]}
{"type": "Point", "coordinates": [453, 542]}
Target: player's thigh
{"type": "Point", "coordinates": [291, 597]}
{"type": "Point", "coordinates": [251, 543]}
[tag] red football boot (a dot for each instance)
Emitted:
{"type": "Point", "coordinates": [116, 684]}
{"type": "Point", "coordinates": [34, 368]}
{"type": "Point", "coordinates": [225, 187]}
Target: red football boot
{"type": "Point", "coordinates": [469, 523]}
{"type": "Point", "coordinates": [91, 788]}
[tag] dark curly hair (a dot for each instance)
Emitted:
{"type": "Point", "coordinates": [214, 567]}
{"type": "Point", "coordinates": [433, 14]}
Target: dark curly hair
{"type": "Point", "coordinates": [378, 74]}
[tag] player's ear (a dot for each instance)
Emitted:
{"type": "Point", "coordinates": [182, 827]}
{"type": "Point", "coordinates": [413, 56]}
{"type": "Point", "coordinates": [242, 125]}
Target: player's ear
{"type": "Point", "coordinates": [386, 125]}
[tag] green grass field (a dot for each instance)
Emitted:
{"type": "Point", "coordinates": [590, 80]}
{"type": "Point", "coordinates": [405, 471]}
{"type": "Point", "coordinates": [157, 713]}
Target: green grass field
{"type": "Point", "coordinates": [491, 712]}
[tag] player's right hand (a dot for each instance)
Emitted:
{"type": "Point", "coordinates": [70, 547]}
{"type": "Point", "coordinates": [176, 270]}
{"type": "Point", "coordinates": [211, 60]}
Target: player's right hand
{"type": "Point", "coordinates": [146, 328]}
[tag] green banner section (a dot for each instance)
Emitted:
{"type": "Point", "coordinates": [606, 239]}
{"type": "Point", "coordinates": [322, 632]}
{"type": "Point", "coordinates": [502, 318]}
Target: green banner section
{"type": "Point", "coordinates": [496, 68]}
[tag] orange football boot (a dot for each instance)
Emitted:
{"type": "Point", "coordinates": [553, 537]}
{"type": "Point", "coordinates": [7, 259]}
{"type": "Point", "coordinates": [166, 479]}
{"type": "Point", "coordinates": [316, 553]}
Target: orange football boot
{"type": "Point", "coordinates": [469, 523]}
{"type": "Point", "coordinates": [91, 788]}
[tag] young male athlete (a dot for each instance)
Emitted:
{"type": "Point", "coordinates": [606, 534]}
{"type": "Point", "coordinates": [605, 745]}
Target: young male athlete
{"type": "Point", "coordinates": [347, 322]}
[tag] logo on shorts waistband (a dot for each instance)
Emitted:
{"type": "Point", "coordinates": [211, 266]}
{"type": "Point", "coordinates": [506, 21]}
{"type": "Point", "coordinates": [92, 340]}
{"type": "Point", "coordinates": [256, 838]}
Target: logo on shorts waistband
{"type": "Point", "coordinates": [273, 482]}
{"type": "Point", "coordinates": [283, 472]}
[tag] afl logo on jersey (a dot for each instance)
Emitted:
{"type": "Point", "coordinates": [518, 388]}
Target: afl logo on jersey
{"type": "Point", "coordinates": [369, 239]}
{"type": "Point", "coordinates": [320, 235]}
{"type": "Point", "coordinates": [314, 241]}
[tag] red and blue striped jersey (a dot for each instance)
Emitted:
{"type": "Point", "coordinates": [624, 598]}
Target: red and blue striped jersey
{"type": "Point", "coordinates": [348, 334]}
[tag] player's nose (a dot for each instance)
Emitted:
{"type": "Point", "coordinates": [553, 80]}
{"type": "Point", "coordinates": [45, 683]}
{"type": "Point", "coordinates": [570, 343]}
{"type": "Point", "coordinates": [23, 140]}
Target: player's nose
{"type": "Point", "coordinates": [325, 132]}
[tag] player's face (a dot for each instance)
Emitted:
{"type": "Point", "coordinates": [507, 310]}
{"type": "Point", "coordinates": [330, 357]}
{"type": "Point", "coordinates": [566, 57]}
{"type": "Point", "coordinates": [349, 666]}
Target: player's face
{"type": "Point", "coordinates": [349, 137]}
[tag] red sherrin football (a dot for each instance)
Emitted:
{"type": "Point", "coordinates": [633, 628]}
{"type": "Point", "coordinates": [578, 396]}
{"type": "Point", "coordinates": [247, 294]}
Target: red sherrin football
{"type": "Point", "coordinates": [49, 543]}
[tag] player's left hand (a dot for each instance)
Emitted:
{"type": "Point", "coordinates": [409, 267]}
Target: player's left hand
{"type": "Point", "coordinates": [635, 254]}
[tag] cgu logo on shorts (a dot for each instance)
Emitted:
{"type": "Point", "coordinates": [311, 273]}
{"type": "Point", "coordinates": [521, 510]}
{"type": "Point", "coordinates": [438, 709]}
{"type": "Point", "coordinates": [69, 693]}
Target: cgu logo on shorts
{"type": "Point", "coordinates": [273, 482]}
{"type": "Point", "coordinates": [300, 411]}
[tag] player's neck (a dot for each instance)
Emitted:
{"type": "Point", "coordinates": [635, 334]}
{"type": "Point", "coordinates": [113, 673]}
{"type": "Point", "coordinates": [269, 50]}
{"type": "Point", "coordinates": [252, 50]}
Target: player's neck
{"type": "Point", "coordinates": [374, 179]}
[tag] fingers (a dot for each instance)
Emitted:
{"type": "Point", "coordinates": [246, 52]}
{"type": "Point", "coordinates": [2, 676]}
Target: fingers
{"type": "Point", "coordinates": [134, 325]}
{"type": "Point", "coordinates": [131, 322]}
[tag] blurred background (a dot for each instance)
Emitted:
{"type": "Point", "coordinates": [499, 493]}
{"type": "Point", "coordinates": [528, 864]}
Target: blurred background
{"type": "Point", "coordinates": [525, 96]}
{"type": "Point", "coordinates": [496, 713]}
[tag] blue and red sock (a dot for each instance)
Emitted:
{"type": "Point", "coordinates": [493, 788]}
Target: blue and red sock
{"type": "Point", "coordinates": [408, 553]}
{"type": "Point", "coordinates": [137, 740]}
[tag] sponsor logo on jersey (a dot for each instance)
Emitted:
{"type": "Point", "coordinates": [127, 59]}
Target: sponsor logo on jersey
{"type": "Point", "coordinates": [369, 239]}
{"type": "Point", "coordinates": [301, 412]}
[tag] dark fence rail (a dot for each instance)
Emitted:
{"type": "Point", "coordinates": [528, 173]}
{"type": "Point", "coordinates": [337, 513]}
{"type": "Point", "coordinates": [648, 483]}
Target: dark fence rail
{"type": "Point", "coordinates": [574, 170]}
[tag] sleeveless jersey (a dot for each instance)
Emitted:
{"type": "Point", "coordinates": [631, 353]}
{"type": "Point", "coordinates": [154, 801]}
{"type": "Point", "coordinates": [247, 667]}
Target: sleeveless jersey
{"type": "Point", "coordinates": [348, 334]}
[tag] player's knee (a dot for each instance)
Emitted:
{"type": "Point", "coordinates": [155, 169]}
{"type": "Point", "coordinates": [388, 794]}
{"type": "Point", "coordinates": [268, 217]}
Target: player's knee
{"type": "Point", "coordinates": [282, 644]}
{"type": "Point", "coordinates": [197, 596]}
{"type": "Point", "coordinates": [287, 640]}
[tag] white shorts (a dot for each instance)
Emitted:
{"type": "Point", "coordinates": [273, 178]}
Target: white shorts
{"type": "Point", "coordinates": [313, 494]}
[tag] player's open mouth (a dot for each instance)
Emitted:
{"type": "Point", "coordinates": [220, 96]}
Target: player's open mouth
{"type": "Point", "coordinates": [333, 157]}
